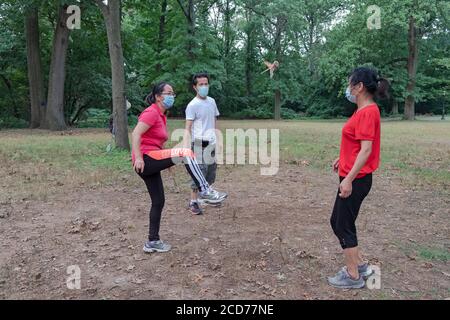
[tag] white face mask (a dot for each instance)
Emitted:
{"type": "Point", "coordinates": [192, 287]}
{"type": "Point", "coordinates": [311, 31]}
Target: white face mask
{"type": "Point", "coordinates": [349, 95]}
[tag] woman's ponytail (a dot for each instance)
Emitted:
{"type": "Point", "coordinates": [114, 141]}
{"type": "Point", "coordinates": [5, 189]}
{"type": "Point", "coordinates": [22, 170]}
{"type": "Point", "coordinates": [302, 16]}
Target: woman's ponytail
{"type": "Point", "coordinates": [375, 85]}
{"type": "Point", "coordinates": [382, 88]}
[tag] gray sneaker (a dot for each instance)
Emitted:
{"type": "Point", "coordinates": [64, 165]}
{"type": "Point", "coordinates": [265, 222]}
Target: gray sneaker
{"type": "Point", "coordinates": [156, 246]}
{"type": "Point", "coordinates": [343, 280]}
{"type": "Point", "coordinates": [223, 195]}
{"type": "Point", "coordinates": [365, 270]}
{"type": "Point", "coordinates": [206, 204]}
{"type": "Point", "coordinates": [211, 196]}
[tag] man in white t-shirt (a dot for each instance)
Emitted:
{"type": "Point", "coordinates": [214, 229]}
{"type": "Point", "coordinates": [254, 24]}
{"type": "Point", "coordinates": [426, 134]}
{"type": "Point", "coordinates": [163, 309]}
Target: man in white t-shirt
{"type": "Point", "coordinates": [201, 118]}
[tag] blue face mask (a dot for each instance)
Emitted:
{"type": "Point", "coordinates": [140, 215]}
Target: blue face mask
{"type": "Point", "coordinates": [349, 96]}
{"type": "Point", "coordinates": [203, 91]}
{"type": "Point", "coordinates": [168, 101]}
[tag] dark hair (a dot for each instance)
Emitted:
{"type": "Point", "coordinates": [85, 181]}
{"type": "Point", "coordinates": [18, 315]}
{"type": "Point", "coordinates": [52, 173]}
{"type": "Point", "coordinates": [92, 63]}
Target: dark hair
{"type": "Point", "coordinates": [157, 90]}
{"type": "Point", "coordinates": [374, 84]}
{"type": "Point", "coordinates": [198, 75]}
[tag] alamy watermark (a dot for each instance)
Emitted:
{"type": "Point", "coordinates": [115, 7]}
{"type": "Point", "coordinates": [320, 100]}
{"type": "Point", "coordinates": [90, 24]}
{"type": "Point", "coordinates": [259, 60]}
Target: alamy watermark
{"type": "Point", "coordinates": [237, 146]}
{"type": "Point", "coordinates": [374, 21]}
{"type": "Point", "coordinates": [374, 281]}
{"type": "Point", "coordinates": [73, 281]}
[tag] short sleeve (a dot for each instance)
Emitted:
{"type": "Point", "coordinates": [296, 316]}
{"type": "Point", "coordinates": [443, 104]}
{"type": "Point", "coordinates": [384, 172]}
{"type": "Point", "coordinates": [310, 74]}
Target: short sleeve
{"type": "Point", "coordinates": [148, 117]}
{"type": "Point", "coordinates": [366, 126]}
{"type": "Point", "coordinates": [190, 112]}
{"type": "Point", "coordinates": [217, 113]}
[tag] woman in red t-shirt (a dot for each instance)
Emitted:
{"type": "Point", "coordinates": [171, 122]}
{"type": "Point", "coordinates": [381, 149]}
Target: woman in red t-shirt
{"type": "Point", "coordinates": [359, 157]}
{"type": "Point", "coordinates": [149, 159]}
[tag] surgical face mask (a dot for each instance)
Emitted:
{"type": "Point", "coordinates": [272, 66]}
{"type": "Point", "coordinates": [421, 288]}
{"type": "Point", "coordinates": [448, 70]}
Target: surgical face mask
{"type": "Point", "coordinates": [203, 91]}
{"type": "Point", "coordinates": [349, 96]}
{"type": "Point", "coordinates": [168, 101]}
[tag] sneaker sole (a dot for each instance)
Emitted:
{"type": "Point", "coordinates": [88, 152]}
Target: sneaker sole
{"type": "Point", "coordinates": [355, 286]}
{"type": "Point", "coordinates": [195, 213]}
{"type": "Point", "coordinates": [147, 250]}
{"type": "Point", "coordinates": [213, 201]}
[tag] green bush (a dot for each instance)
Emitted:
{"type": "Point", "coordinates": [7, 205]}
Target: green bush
{"type": "Point", "coordinates": [10, 122]}
{"type": "Point", "coordinates": [94, 118]}
{"type": "Point", "coordinates": [258, 113]}
{"type": "Point", "coordinates": [287, 113]}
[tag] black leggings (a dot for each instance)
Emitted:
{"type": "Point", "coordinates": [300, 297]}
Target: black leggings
{"type": "Point", "coordinates": [153, 181]}
{"type": "Point", "coordinates": [346, 211]}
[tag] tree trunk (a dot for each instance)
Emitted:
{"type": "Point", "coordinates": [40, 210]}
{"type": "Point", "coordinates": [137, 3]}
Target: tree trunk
{"type": "Point", "coordinates": [443, 110]}
{"type": "Point", "coordinates": [412, 70]}
{"type": "Point", "coordinates": [249, 53]}
{"type": "Point", "coordinates": [111, 14]}
{"type": "Point", "coordinates": [35, 79]}
{"type": "Point", "coordinates": [311, 27]}
{"type": "Point", "coordinates": [280, 25]}
{"type": "Point", "coordinates": [227, 31]}
{"type": "Point", "coordinates": [79, 111]}
{"type": "Point", "coordinates": [189, 13]}
{"type": "Point", "coordinates": [55, 111]}
{"type": "Point", "coordinates": [277, 111]}
{"type": "Point", "coordinates": [191, 30]}
{"type": "Point", "coordinates": [394, 107]}
{"type": "Point", "coordinates": [161, 33]}
{"type": "Point", "coordinates": [248, 65]}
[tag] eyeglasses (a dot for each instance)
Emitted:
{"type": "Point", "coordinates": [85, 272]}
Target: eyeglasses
{"type": "Point", "coordinates": [169, 94]}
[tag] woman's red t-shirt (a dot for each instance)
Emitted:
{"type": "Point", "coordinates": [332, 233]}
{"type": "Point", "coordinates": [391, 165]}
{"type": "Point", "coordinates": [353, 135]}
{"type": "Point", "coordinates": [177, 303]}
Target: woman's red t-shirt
{"type": "Point", "coordinates": [363, 125]}
{"type": "Point", "coordinates": [155, 137]}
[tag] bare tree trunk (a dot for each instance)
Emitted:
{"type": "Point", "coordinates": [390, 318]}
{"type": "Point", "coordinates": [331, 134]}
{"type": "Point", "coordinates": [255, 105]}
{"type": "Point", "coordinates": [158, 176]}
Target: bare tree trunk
{"type": "Point", "coordinates": [189, 14]}
{"type": "Point", "coordinates": [227, 46]}
{"type": "Point", "coordinates": [394, 107]}
{"type": "Point", "coordinates": [280, 25]}
{"type": "Point", "coordinates": [311, 27]}
{"type": "Point", "coordinates": [412, 70]}
{"type": "Point", "coordinates": [249, 53]}
{"type": "Point", "coordinates": [161, 33]}
{"type": "Point", "coordinates": [55, 110]}
{"type": "Point", "coordinates": [111, 14]}
{"type": "Point", "coordinates": [191, 30]}
{"type": "Point", "coordinates": [248, 66]}
{"type": "Point", "coordinates": [35, 79]}
{"type": "Point", "coordinates": [277, 111]}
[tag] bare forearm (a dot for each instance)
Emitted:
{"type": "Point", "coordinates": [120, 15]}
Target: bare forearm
{"type": "Point", "coordinates": [187, 139]}
{"type": "Point", "coordinates": [136, 145]}
{"type": "Point", "coordinates": [360, 161]}
{"type": "Point", "coordinates": [187, 134]}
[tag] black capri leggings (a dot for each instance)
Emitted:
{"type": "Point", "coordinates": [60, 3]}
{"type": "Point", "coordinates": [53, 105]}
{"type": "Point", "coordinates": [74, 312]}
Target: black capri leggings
{"type": "Point", "coordinates": [153, 181]}
{"type": "Point", "coordinates": [346, 211]}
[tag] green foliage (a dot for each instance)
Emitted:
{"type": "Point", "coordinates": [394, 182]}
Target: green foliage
{"type": "Point", "coordinates": [8, 122]}
{"type": "Point", "coordinates": [316, 42]}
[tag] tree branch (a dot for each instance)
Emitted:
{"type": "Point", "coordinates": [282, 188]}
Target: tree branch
{"type": "Point", "coordinates": [261, 14]}
{"type": "Point", "coordinates": [104, 8]}
{"type": "Point", "coordinates": [187, 15]}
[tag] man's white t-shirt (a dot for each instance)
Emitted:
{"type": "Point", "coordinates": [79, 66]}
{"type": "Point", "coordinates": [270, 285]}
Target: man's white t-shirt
{"type": "Point", "coordinates": [203, 113]}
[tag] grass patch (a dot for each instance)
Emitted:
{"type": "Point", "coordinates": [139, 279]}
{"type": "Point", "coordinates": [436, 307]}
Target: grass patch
{"type": "Point", "coordinates": [416, 152]}
{"type": "Point", "coordinates": [424, 252]}
{"type": "Point", "coordinates": [437, 254]}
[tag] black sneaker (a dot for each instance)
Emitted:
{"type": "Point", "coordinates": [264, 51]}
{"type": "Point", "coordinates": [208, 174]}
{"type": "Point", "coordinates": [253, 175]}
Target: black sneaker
{"type": "Point", "coordinates": [195, 208]}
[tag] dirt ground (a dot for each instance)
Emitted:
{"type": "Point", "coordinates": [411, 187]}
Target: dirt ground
{"type": "Point", "coordinates": [270, 240]}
